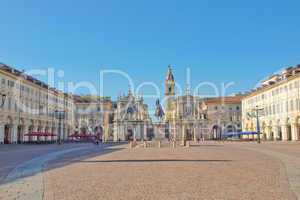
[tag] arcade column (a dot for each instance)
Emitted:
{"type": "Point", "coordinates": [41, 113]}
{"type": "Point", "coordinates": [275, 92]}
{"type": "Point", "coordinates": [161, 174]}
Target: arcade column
{"type": "Point", "coordinates": [284, 130]}
{"type": "Point", "coordinates": [183, 136]}
{"type": "Point", "coordinates": [25, 131]}
{"type": "Point", "coordinates": [276, 133]}
{"type": "Point", "coordinates": [268, 132]}
{"type": "Point", "coordinates": [14, 136]}
{"type": "Point", "coordinates": [116, 131]}
{"type": "Point", "coordinates": [145, 132]}
{"type": "Point", "coordinates": [1, 133]}
{"type": "Point", "coordinates": [295, 132]}
{"type": "Point", "coordinates": [195, 133]}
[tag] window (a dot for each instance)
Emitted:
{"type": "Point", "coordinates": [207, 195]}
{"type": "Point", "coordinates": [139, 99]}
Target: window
{"type": "Point", "coordinates": [298, 104]}
{"type": "Point", "coordinates": [9, 103]}
{"type": "Point", "coordinates": [292, 105]}
{"type": "Point", "coordinates": [296, 84]}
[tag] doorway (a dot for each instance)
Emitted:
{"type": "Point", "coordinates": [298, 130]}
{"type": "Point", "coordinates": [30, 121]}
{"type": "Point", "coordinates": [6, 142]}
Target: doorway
{"type": "Point", "coordinates": [7, 134]}
{"type": "Point", "coordinates": [289, 132]}
{"type": "Point", "coordinates": [20, 134]}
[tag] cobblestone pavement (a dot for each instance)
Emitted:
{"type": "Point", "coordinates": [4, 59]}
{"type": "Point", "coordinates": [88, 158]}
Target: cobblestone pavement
{"type": "Point", "coordinates": [26, 180]}
{"type": "Point", "coordinates": [209, 170]}
{"type": "Point", "coordinates": [206, 171]}
{"type": "Point", "coordinates": [289, 154]}
{"type": "Point", "coordinates": [14, 155]}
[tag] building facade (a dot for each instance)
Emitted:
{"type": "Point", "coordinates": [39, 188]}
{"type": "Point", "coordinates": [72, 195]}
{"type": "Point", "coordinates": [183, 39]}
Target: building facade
{"type": "Point", "coordinates": [278, 99]}
{"type": "Point", "coordinates": [28, 106]}
{"type": "Point", "coordinates": [131, 118]}
{"type": "Point", "coordinates": [93, 115]}
{"type": "Point", "coordinates": [223, 115]}
{"type": "Point", "coordinates": [190, 117]}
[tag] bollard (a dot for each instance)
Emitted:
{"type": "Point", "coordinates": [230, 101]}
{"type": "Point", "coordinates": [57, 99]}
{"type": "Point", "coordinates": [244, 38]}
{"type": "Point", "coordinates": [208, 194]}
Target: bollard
{"type": "Point", "coordinates": [188, 144]}
{"type": "Point", "coordinates": [159, 144]}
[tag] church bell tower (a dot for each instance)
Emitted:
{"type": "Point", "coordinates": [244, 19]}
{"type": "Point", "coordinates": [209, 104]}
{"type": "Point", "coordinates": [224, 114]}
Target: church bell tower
{"type": "Point", "coordinates": [170, 83]}
{"type": "Point", "coordinates": [169, 95]}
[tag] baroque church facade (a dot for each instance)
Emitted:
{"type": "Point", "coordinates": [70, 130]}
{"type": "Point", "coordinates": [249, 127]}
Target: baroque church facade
{"type": "Point", "coordinates": [131, 118]}
{"type": "Point", "coordinates": [190, 117]}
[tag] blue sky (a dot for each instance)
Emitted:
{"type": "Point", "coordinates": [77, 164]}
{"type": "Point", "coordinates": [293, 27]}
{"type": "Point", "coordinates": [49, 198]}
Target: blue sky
{"type": "Point", "coordinates": [220, 41]}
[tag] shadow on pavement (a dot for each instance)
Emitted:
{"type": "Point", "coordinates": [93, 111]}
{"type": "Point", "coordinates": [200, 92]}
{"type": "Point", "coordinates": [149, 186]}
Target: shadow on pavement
{"type": "Point", "coordinates": [206, 145]}
{"type": "Point", "coordinates": [149, 161]}
{"type": "Point", "coordinates": [43, 163]}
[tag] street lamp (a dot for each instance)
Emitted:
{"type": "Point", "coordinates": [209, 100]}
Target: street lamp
{"type": "Point", "coordinates": [60, 115]}
{"type": "Point", "coordinates": [257, 110]}
{"type": "Point", "coordinates": [3, 98]}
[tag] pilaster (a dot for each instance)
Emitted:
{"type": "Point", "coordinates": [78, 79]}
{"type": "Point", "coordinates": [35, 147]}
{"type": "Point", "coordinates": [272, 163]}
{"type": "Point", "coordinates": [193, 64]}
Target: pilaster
{"type": "Point", "coordinates": [1, 133]}
{"type": "Point", "coordinates": [284, 132]}
{"type": "Point", "coordinates": [295, 132]}
{"type": "Point", "coordinates": [14, 135]}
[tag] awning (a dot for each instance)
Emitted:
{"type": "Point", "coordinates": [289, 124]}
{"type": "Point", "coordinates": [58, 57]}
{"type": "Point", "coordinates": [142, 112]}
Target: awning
{"type": "Point", "coordinates": [232, 134]}
{"type": "Point", "coordinates": [81, 136]}
{"type": "Point", "coordinates": [41, 134]}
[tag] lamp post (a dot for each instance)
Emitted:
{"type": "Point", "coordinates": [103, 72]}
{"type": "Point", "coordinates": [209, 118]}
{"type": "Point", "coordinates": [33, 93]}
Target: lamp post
{"type": "Point", "coordinates": [60, 115]}
{"type": "Point", "coordinates": [257, 110]}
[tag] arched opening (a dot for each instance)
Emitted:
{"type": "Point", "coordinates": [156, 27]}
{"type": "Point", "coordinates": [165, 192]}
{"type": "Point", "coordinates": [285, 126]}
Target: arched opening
{"type": "Point", "coordinates": [271, 135]}
{"type": "Point", "coordinates": [230, 129]}
{"type": "Point", "coordinates": [53, 133]}
{"type": "Point", "coordinates": [83, 130]}
{"type": "Point", "coordinates": [30, 130]}
{"type": "Point", "coordinates": [217, 132]}
{"type": "Point", "coordinates": [189, 134]}
{"type": "Point", "coordinates": [167, 131]}
{"type": "Point", "coordinates": [289, 132]}
{"type": "Point", "coordinates": [298, 128]}
{"type": "Point", "coordinates": [99, 133]}
{"type": "Point", "coordinates": [20, 134]}
{"type": "Point", "coordinates": [7, 134]}
{"type": "Point", "coordinates": [150, 133]}
{"type": "Point", "coordinates": [129, 135]}
{"type": "Point", "coordinates": [39, 130]}
{"type": "Point", "coordinates": [47, 132]}
{"type": "Point", "coordinates": [279, 133]}
{"type": "Point", "coordinates": [64, 133]}
{"type": "Point", "coordinates": [264, 131]}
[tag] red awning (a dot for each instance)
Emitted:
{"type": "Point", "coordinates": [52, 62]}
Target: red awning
{"type": "Point", "coordinates": [81, 136]}
{"type": "Point", "coordinates": [41, 134]}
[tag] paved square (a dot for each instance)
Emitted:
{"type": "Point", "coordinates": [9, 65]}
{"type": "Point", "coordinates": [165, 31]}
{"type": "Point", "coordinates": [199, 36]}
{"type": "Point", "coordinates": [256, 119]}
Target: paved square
{"type": "Point", "coordinates": [204, 171]}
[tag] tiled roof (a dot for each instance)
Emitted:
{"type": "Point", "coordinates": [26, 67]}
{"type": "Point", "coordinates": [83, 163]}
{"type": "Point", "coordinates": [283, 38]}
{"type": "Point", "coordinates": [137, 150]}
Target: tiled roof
{"type": "Point", "coordinates": [225, 100]}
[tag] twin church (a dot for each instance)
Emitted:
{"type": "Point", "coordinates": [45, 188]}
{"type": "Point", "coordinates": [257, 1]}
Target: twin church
{"type": "Point", "coordinates": [181, 117]}
{"type": "Point", "coordinates": [186, 117]}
